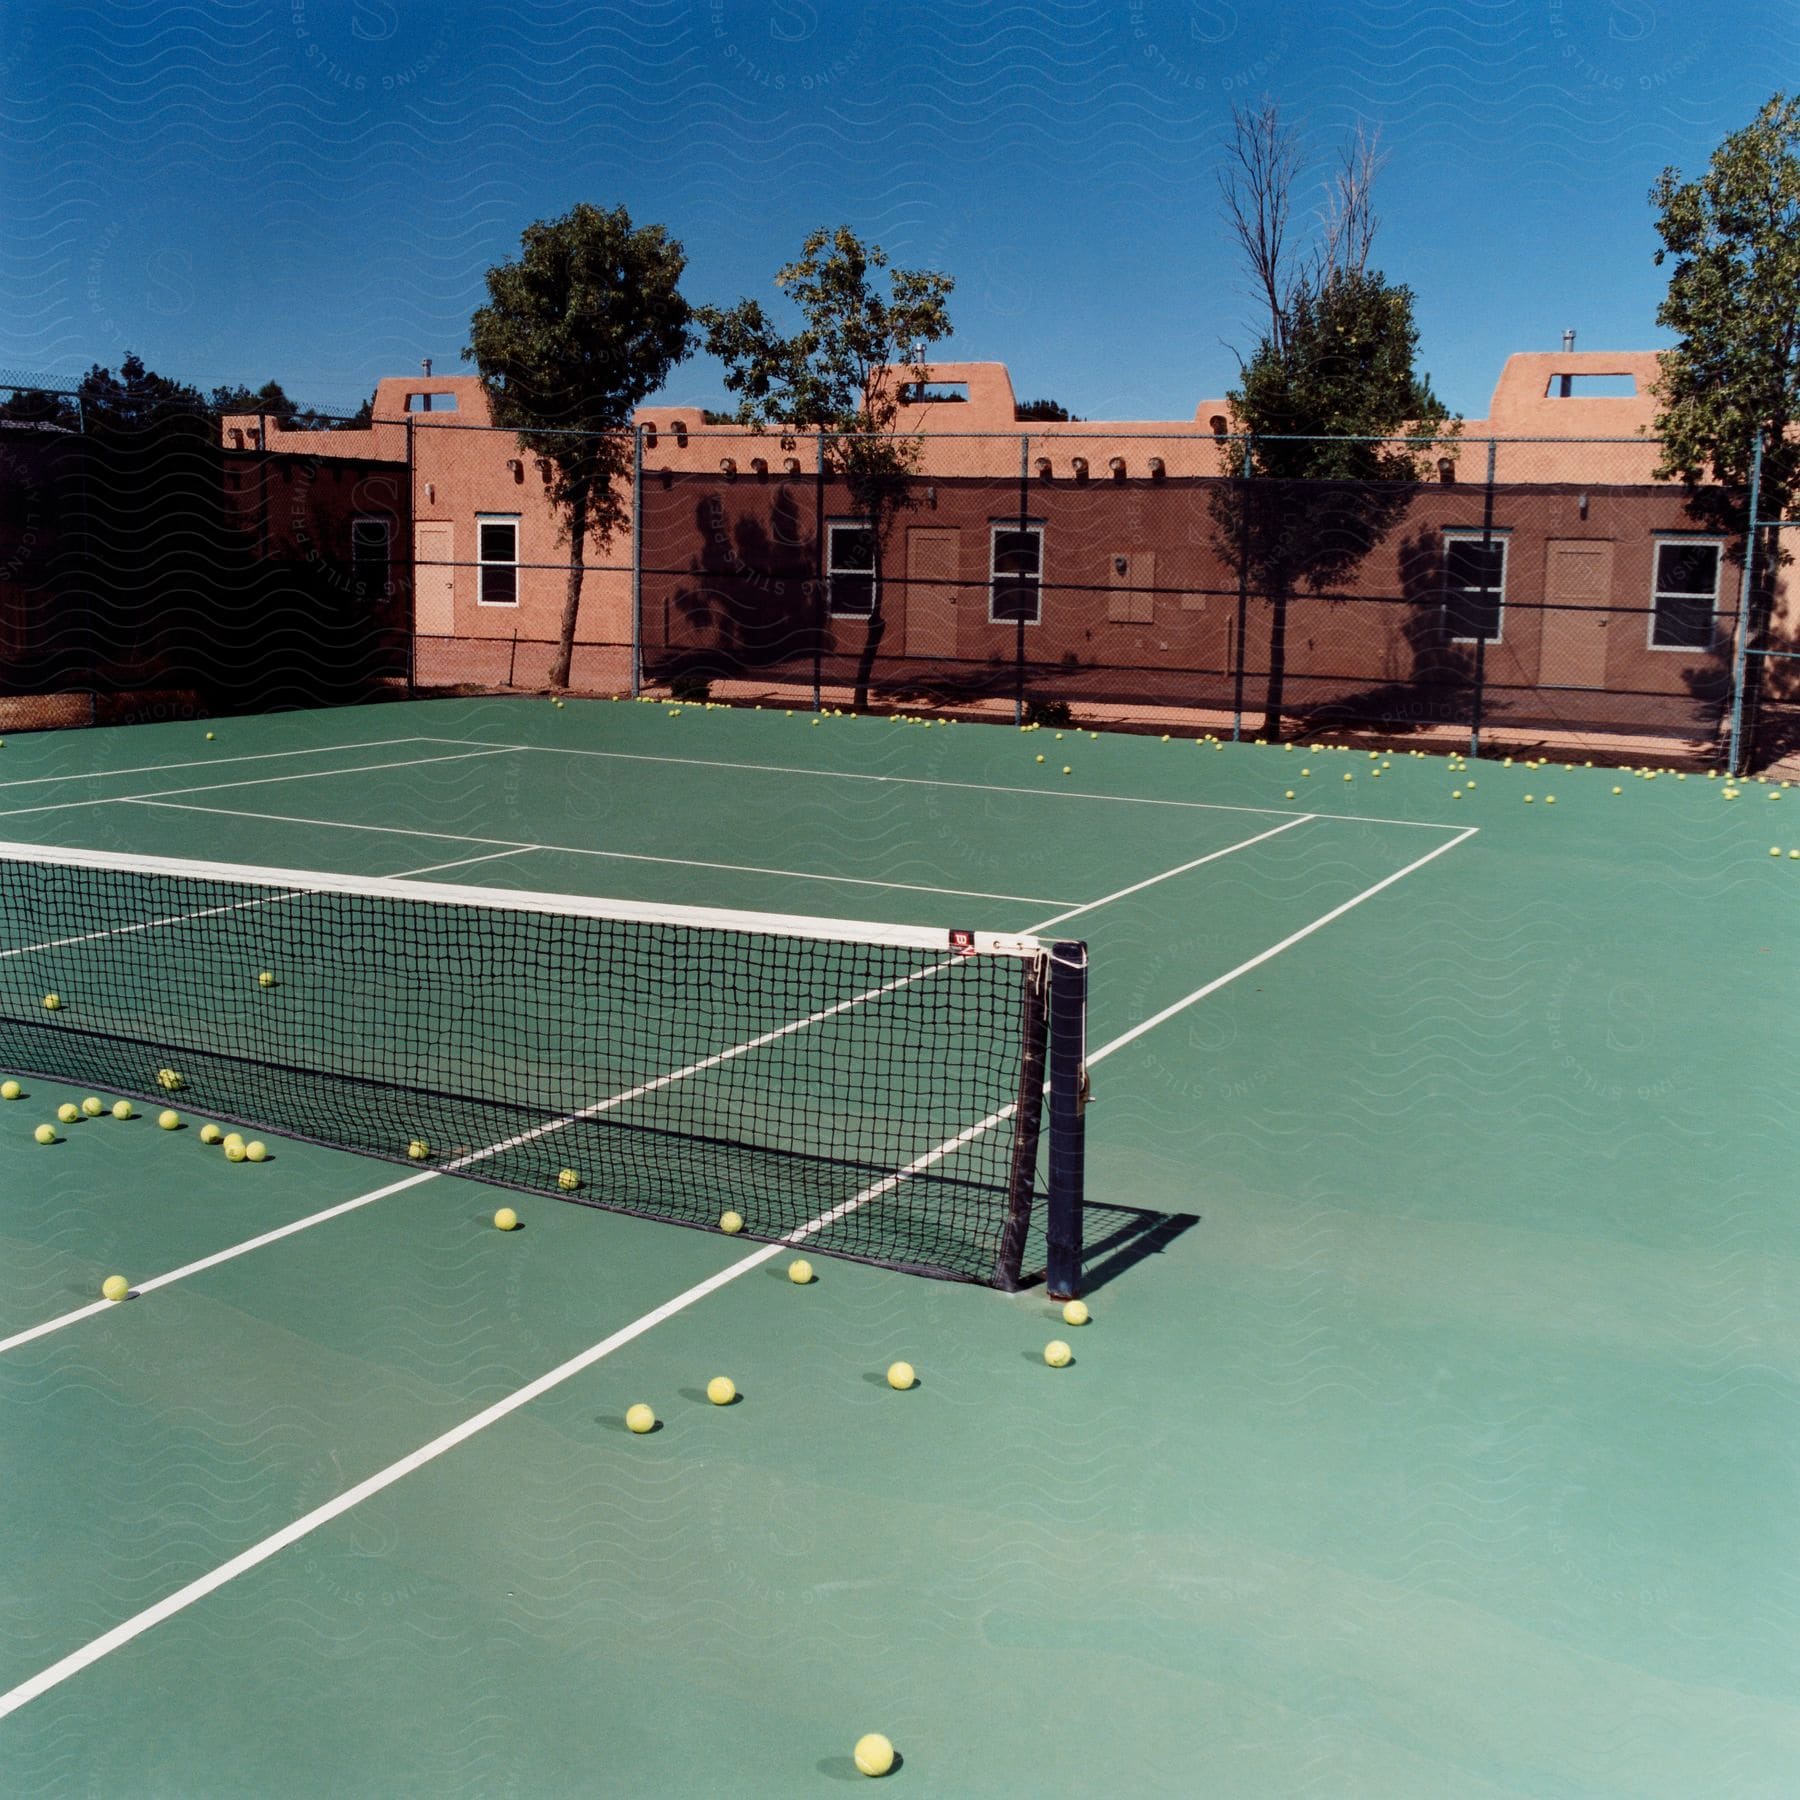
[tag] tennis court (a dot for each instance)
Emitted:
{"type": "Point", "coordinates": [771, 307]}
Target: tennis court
{"type": "Point", "coordinates": [1434, 1432]}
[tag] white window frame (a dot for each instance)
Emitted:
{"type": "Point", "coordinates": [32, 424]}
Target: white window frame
{"type": "Point", "coordinates": [1687, 541]}
{"type": "Point", "coordinates": [832, 572]}
{"type": "Point", "coordinates": [1475, 534]}
{"type": "Point", "coordinates": [385, 587]}
{"type": "Point", "coordinates": [484, 562]}
{"type": "Point", "coordinates": [995, 527]}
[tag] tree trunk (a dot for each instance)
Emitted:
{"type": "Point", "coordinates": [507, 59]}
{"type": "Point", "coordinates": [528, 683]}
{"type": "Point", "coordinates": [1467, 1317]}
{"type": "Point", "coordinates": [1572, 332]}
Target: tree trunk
{"type": "Point", "coordinates": [565, 646]}
{"type": "Point", "coordinates": [865, 663]}
{"type": "Point", "coordinates": [1278, 605]}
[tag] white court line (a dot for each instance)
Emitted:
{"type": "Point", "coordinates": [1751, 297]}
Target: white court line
{"type": "Point", "coordinates": [1287, 943]}
{"type": "Point", "coordinates": [1137, 887]}
{"type": "Point", "coordinates": [977, 787]}
{"type": "Point", "coordinates": [213, 762]}
{"type": "Point", "coordinates": [214, 787]}
{"type": "Point", "coordinates": [258, 1553]}
{"type": "Point", "coordinates": [462, 862]}
{"type": "Point", "coordinates": [217, 1257]}
{"type": "Point", "coordinates": [679, 862]}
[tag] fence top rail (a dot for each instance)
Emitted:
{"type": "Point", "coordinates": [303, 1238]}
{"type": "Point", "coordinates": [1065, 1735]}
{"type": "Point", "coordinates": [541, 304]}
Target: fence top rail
{"type": "Point", "coordinates": [1111, 434]}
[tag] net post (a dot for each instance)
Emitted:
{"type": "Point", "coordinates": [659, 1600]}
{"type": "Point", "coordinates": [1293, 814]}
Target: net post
{"type": "Point", "coordinates": [1068, 1125]}
{"type": "Point", "coordinates": [1028, 1126]}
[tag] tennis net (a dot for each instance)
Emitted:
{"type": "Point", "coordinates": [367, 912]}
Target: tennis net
{"type": "Point", "coordinates": [873, 1090]}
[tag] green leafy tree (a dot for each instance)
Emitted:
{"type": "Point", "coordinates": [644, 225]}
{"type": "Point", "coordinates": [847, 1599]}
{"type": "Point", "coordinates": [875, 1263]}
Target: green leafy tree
{"type": "Point", "coordinates": [270, 399]}
{"type": "Point", "coordinates": [843, 374]}
{"type": "Point", "coordinates": [1332, 376]}
{"type": "Point", "coordinates": [136, 398]}
{"type": "Point", "coordinates": [578, 331]}
{"type": "Point", "coordinates": [1733, 236]}
{"type": "Point", "coordinates": [39, 406]}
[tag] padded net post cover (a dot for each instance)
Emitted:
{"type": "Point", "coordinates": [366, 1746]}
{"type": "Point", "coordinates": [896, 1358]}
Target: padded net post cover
{"type": "Point", "coordinates": [866, 1089]}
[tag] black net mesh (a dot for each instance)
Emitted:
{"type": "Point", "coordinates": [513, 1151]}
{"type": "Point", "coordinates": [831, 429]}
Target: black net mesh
{"type": "Point", "coordinates": [678, 1072]}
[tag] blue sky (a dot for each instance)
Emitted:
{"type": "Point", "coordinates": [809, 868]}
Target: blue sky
{"type": "Point", "coordinates": [312, 191]}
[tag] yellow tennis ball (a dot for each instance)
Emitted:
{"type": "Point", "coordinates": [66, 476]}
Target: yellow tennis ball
{"type": "Point", "coordinates": [233, 1137]}
{"type": "Point", "coordinates": [1549, 799]}
{"type": "Point", "coordinates": [730, 1223]}
{"type": "Point", "coordinates": [10, 1090]}
{"type": "Point", "coordinates": [1527, 799]}
{"type": "Point", "coordinates": [639, 1418]}
{"type": "Point", "coordinates": [235, 1150]}
{"type": "Point", "coordinates": [1057, 1354]}
{"type": "Point", "coordinates": [52, 1001]}
{"type": "Point", "coordinates": [506, 1219]}
{"type": "Point", "coordinates": [265, 979]}
{"type": "Point", "coordinates": [1618, 790]}
{"type": "Point", "coordinates": [873, 1754]}
{"type": "Point", "coordinates": [1066, 769]}
{"type": "Point", "coordinates": [68, 1112]}
{"type": "Point", "coordinates": [1774, 849]}
{"type": "Point", "coordinates": [122, 1109]}
{"type": "Point", "coordinates": [800, 1271]}
{"type": "Point", "coordinates": [1794, 855]}
{"type": "Point", "coordinates": [115, 1287]}
{"type": "Point", "coordinates": [1076, 1313]}
{"type": "Point", "coordinates": [256, 1151]}
{"type": "Point", "coordinates": [418, 1149]}
{"type": "Point", "coordinates": [45, 1134]}
{"type": "Point", "coordinates": [568, 1181]}
{"type": "Point", "coordinates": [169, 1121]}
{"type": "Point", "coordinates": [209, 737]}
{"type": "Point", "coordinates": [900, 1375]}
{"type": "Point", "coordinates": [720, 1390]}
{"type": "Point", "coordinates": [1290, 793]}
{"type": "Point", "coordinates": [167, 1078]}
{"type": "Point", "coordinates": [211, 1134]}
{"type": "Point", "coordinates": [1040, 759]}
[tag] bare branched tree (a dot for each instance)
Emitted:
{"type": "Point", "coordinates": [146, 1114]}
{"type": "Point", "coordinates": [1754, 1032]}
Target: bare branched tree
{"type": "Point", "coordinates": [1348, 220]}
{"type": "Point", "coordinates": [1257, 188]}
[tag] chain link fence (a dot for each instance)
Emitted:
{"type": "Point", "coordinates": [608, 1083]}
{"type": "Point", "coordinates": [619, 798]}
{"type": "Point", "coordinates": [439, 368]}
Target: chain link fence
{"type": "Point", "coordinates": [1514, 590]}
{"type": "Point", "coordinates": [174, 566]}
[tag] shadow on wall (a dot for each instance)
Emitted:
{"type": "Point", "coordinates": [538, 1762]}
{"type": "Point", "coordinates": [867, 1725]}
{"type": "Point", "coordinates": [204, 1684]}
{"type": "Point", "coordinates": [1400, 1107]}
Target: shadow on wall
{"type": "Point", "coordinates": [750, 598]}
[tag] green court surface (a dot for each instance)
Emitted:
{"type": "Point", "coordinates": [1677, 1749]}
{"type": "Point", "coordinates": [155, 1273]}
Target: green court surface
{"type": "Point", "coordinates": [1435, 1432]}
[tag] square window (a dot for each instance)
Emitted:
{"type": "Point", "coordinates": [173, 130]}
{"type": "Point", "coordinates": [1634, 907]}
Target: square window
{"type": "Point", "coordinates": [1474, 585]}
{"type": "Point", "coordinates": [1685, 594]}
{"type": "Point", "coordinates": [369, 556]}
{"type": "Point", "coordinates": [1015, 588]}
{"type": "Point", "coordinates": [497, 552]}
{"type": "Point", "coordinates": [849, 568]}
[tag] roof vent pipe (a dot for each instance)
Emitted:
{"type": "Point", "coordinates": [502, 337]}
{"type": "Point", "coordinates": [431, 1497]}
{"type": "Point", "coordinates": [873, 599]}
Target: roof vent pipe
{"type": "Point", "coordinates": [425, 364]}
{"type": "Point", "coordinates": [1566, 387]}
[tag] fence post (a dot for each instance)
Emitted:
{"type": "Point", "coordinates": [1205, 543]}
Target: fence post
{"type": "Point", "coordinates": [1487, 538]}
{"type": "Point", "coordinates": [1243, 605]}
{"type": "Point", "coordinates": [412, 553]}
{"type": "Point", "coordinates": [1019, 620]}
{"type": "Point", "coordinates": [820, 580]}
{"type": "Point", "coordinates": [1740, 660]}
{"type": "Point", "coordinates": [637, 558]}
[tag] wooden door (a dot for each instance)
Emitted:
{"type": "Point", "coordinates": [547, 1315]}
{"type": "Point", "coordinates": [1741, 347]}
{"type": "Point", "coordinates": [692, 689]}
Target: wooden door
{"type": "Point", "coordinates": [434, 579]}
{"type": "Point", "coordinates": [930, 600]}
{"type": "Point", "coordinates": [1577, 574]}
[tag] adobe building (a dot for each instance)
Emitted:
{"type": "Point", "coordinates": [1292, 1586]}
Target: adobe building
{"type": "Point", "coordinates": [1083, 560]}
